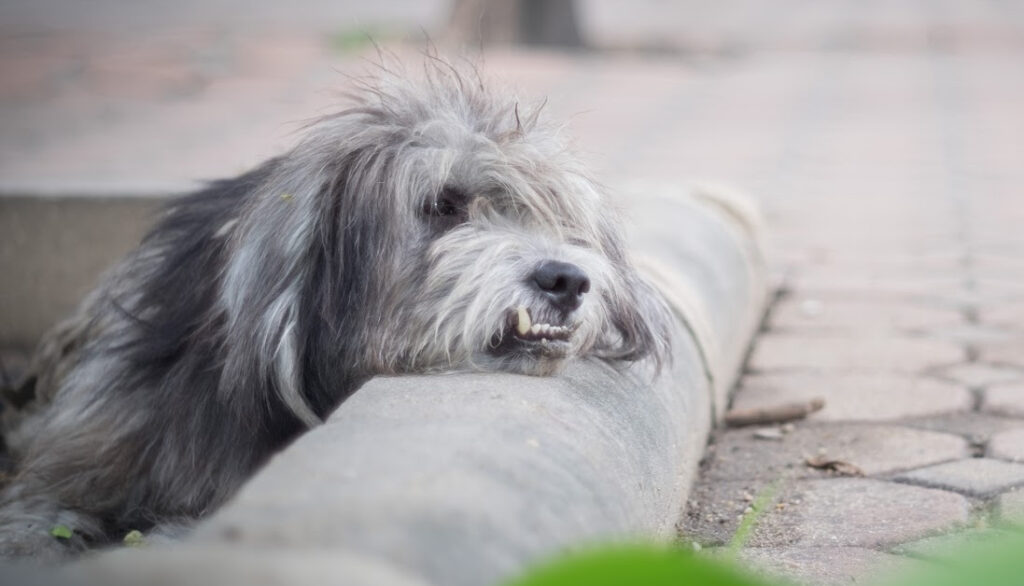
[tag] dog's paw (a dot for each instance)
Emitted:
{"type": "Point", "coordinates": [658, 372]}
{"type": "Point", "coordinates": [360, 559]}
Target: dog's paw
{"type": "Point", "coordinates": [42, 535]}
{"type": "Point", "coordinates": [38, 544]}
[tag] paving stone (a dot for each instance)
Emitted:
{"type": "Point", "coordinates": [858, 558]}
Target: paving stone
{"type": "Point", "coordinates": [836, 512]}
{"type": "Point", "coordinates": [1008, 352]}
{"type": "Point", "coordinates": [979, 477]}
{"type": "Point", "coordinates": [872, 448]}
{"type": "Point", "coordinates": [874, 286]}
{"type": "Point", "coordinates": [974, 334]}
{"type": "Point", "coordinates": [978, 374]}
{"type": "Point", "coordinates": [1004, 399]}
{"type": "Point", "coordinates": [868, 513]}
{"type": "Point", "coordinates": [1010, 315]}
{"type": "Point", "coordinates": [823, 566]}
{"type": "Point", "coordinates": [826, 314]}
{"type": "Point", "coordinates": [1011, 507]}
{"type": "Point", "coordinates": [1007, 445]}
{"type": "Point", "coordinates": [714, 507]}
{"type": "Point", "coordinates": [964, 300]}
{"type": "Point", "coordinates": [846, 354]}
{"type": "Point", "coordinates": [937, 547]}
{"type": "Point", "coordinates": [854, 396]}
{"type": "Point", "coordinates": [1008, 291]}
{"type": "Point", "coordinates": [976, 428]}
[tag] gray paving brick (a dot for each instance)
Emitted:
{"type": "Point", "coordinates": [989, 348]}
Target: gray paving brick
{"type": "Point", "coordinates": [1007, 445]}
{"type": "Point", "coordinates": [979, 477]}
{"type": "Point", "coordinates": [1009, 315]}
{"type": "Point", "coordinates": [836, 512]}
{"type": "Point", "coordinates": [1011, 507]}
{"type": "Point", "coordinates": [823, 566]}
{"type": "Point", "coordinates": [976, 374]}
{"type": "Point", "coordinates": [867, 513]}
{"type": "Point", "coordinates": [1008, 352]}
{"type": "Point", "coordinates": [974, 334]}
{"type": "Point", "coordinates": [841, 354]}
{"type": "Point", "coordinates": [872, 448]}
{"type": "Point", "coordinates": [714, 508]}
{"type": "Point", "coordinates": [1004, 399]}
{"type": "Point", "coordinates": [976, 427]}
{"type": "Point", "coordinates": [937, 547]}
{"type": "Point", "coordinates": [824, 314]}
{"type": "Point", "coordinates": [854, 397]}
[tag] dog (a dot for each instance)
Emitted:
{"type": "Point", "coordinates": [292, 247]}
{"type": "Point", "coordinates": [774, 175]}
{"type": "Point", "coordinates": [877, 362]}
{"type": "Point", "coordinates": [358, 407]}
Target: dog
{"type": "Point", "coordinates": [430, 226]}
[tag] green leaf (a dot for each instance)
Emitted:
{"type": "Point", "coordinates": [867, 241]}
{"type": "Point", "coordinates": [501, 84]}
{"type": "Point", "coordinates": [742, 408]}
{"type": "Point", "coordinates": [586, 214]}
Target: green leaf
{"type": "Point", "coordinates": [61, 532]}
{"type": "Point", "coordinates": [134, 538]}
{"type": "Point", "coordinates": [633, 565]}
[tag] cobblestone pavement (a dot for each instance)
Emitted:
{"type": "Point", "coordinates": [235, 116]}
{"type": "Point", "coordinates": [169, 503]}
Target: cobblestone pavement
{"type": "Point", "coordinates": [883, 138]}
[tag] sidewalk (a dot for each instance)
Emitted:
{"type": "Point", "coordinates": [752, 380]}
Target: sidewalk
{"type": "Point", "coordinates": [888, 160]}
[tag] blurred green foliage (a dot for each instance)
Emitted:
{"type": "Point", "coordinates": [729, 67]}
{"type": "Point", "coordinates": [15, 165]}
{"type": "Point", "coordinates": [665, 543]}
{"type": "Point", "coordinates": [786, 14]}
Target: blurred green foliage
{"type": "Point", "coordinates": [994, 563]}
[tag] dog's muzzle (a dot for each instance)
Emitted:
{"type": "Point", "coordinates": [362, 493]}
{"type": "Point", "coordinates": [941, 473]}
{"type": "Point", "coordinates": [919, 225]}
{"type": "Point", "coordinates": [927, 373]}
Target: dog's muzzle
{"type": "Point", "coordinates": [546, 331]}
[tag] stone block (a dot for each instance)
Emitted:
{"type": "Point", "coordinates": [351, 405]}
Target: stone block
{"type": "Point", "coordinates": [1004, 399]}
{"type": "Point", "coordinates": [873, 449]}
{"type": "Point", "coordinates": [978, 477]}
{"type": "Point", "coordinates": [854, 396]}
{"type": "Point", "coordinates": [828, 314]}
{"type": "Point", "coordinates": [871, 513]}
{"type": "Point", "coordinates": [1011, 507]}
{"type": "Point", "coordinates": [1007, 445]}
{"type": "Point", "coordinates": [823, 566]}
{"type": "Point", "coordinates": [835, 512]}
{"type": "Point", "coordinates": [939, 547]}
{"type": "Point", "coordinates": [979, 374]}
{"type": "Point", "coordinates": [845, 354]}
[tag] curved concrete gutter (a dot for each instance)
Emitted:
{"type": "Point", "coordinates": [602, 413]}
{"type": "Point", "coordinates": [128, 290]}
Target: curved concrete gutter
{"type": "Point", "coordinates": [465, 479]}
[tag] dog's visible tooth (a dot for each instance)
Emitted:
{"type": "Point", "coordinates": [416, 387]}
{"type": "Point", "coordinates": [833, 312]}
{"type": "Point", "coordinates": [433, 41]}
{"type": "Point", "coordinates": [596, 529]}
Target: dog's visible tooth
{"type": "Point", "coordinates": [535, 329]}
{"type": "Point", "coordinates": [523, 325]}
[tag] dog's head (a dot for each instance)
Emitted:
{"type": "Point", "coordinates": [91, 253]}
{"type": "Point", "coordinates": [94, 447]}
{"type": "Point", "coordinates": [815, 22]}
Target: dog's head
{"type": "Point", "coordinates": [435, 225]}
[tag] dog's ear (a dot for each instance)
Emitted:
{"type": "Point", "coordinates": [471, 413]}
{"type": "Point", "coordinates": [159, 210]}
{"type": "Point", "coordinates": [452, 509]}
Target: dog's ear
{"type": "Point", "coordinates": [268, 262]}
{"type": "Point", "coordinates": [641, 320]}
{"type": "Point", "coordinates": [296, 283]}
{"type": "Point", "coordinates": [639, 314]}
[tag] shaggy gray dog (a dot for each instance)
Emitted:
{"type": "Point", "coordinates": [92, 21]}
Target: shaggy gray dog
{"type": "Point", "coordinates": [431, 226]}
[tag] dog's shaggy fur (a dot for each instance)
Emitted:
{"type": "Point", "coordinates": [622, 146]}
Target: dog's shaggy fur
{"type": "Point", "coordinates": [424, 228]}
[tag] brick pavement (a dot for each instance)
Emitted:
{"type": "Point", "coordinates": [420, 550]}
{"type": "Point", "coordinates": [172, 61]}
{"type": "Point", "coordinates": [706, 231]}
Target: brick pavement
{"type": "Point", "coordinates": [883, 139]}
{"type": "Point", "coordinates": [895, 212]}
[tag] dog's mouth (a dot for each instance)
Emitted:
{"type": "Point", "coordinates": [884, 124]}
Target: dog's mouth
{"type": "Point", "coordinates": [524, 328]}
{"type": "Point", "coordinates": [527, 334]}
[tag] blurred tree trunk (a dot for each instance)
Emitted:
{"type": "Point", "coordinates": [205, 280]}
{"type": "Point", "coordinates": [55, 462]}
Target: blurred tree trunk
{"type": "Point", "coordinates": [528, 22]}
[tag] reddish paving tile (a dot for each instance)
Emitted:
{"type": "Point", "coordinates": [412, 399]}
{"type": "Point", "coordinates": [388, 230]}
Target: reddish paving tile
{"type": "Point", "coordinates": [1004, 399]}
{"type": "Point", "coordinates": [851, 354]}
{"type": "Point", "coordinates": [854, 396]}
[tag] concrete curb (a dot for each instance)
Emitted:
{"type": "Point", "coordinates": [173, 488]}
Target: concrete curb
{"type": "Point", "coordinates": [465, 479]}
{"type": "Point", "coordinates": [53, 250]}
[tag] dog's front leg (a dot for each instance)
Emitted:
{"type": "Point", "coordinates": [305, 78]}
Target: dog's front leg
{"type": "Point", "coordinates": [39, 527]}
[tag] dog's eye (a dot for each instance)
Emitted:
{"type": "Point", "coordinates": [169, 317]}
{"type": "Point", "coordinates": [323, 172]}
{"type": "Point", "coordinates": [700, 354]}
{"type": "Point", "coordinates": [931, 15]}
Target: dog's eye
{"type": "Point", "coordinates": [449, 206]}
{"type": "Point", "coordinates": [444, 207]}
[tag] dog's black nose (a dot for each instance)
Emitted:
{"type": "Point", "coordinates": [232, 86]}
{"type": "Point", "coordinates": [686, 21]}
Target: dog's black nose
{"type": "Point", "coordinates": [562, 283]}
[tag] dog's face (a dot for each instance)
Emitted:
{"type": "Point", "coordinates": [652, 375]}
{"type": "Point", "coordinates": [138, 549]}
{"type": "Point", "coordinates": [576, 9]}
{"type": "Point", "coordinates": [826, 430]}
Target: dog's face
{"type": "Point", "coordinates": [434, 227]}
{"type": "Point", "coordinates": [520, 267]}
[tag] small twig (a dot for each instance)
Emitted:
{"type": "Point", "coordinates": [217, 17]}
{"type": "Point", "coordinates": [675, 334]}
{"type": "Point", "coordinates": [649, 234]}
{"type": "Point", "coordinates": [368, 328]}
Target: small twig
{"type": "Point", "coordinates": [839, 467]}
{"type": "Point", "coordinates": [775, 414]}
